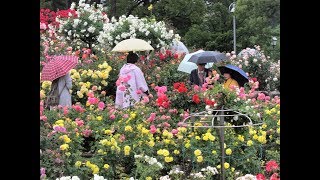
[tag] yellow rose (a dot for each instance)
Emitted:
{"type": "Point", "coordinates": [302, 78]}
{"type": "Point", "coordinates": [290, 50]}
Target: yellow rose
{"type": "Point", "coordinates": [226, 165]}
{"type": "Point", "coordinates": [168, 159]}
{"type": "Point", "coordinates": [128, 128]}
{"type": "Point", "coordinates": [99, 118]}
{"type": "Point", "coordinates": [240, 138]}
{"type": "Point", "coordinates": [249, 143]}
{"type": "Point", "coordinates": [64, 147]}
{"type": "Point", "coordinates": [197, 152]}
{"type": "Point", "coordinates": [95, 169]}
{"type": "Point", "coordinates": [214, 152]}
{"type": "Point", "coordinates": [151, 143]}
{"type": "Point", "coordinates": [199, 158]}
{"type": "Point", "coordinates": [166, 152]}
{"type": "Point", "coordinates": [106, 166]}
{"type": "Point", "coordinates": [176, 151]}
{"type": "Point", "coordinates": [78, 164]}
{"type": "Point", "coordinates": [262, 139]}
{"type": "Point", "coordinates": [160, 152]}
{"type": "Point", "coordinates": [79, 94]}
{"type": "Point", "coordinates": [228, 151]}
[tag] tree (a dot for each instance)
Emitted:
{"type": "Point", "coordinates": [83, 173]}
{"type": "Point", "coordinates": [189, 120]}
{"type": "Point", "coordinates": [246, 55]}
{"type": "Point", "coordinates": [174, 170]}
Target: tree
{"type": "Point", "coordinates": [182, 14]}
{"type": "Point", "coordinates": [257, 23]}
{"type": "Point", "coordinates": [217, 27]}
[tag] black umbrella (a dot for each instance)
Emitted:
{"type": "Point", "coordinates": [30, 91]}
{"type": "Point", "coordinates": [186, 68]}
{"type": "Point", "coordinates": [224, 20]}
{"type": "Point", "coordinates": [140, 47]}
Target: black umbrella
{"type": "Point", "coordinates": [207, 56]}
{"type": "Point", "coordinates": [236, 73]}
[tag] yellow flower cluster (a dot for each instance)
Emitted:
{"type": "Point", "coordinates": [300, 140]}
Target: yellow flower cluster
{"type": "Point", "coordinates": [128, 128]}
{"type": "Point", "coordinates": [167, 134]}
{"type": "Point", "coordinates": [127, 150]}
{"type": "Point", "coordinates": [65, 138]}
{"type": "Point", "coordinates": [165, 153]}
{"type": "Point", "coordinates": [93, 167]}
{"type": "Point", "coordinates": [208, 136]}
{"type": "Point", "coordinates": [64, 147]}
{"type": "Point", "coordinates": [241, 138]}
{"type": "Point", "coordinates": [46, 85]}
{"type": "Point", "coordinates": [226, 165]}
{"type": "Point", "coordinates": [198, 153]}
{"type": "Point", "coordinates": [113, 143]}
{"type": "Point", "coordinates": [59, 122]}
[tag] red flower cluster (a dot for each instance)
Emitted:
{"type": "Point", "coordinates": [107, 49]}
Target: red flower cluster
{"type": "Point", "coordinates": [209, 102]}
{"type": "Point", "coordinates": [180, 87]}
{"type": "Point", "coordinates": [196, 99]}
{"type": "Point", "coordinates": [65, 13]}
{"type": "Point", "coordinates": [163, 56]}
{"type": "Point", "coordinates": [271, 165]}
{"type": "Point", "coordinates": [163, 101]}
{"type": "Point", "coordinates": [47, 17]}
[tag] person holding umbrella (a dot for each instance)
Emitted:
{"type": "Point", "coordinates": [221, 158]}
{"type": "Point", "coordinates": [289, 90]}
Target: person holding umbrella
{"type": "Point", "coordinates": [198, 76]}
{"type": "Point", "coordinates": [234, 76]}
{"type": "Point", "coordinates": [131, 84]}
{"type": "Point", "coordinates": [229, 82]}
{"type": "Point", "coordinates": [201, 58]}
{"type": "Point", "coordinates": [57, 71]}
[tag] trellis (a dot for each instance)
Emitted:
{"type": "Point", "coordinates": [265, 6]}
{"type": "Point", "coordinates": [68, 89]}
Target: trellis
{"type": "Point", "coordinates": [208, 120]}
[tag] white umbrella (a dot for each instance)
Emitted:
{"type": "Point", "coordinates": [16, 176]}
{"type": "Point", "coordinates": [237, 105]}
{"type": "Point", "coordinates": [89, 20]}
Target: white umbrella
{"type": "Point", "coordinates": [187, 67]}
{"type": "Point", "coordinates": [179, 47]}
{"type": "Point", "coordinates": [132, 45]}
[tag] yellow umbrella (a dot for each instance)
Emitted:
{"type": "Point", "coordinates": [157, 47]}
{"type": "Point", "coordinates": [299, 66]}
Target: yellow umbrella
{"type": "Point", "coordinates": [132, 45]}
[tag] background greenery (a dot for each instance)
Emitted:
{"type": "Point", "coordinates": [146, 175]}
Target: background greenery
{"type": "Point", "coordinates": [204, 24]}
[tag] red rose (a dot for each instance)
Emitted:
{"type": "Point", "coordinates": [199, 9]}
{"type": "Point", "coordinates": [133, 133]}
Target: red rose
{"type": "Point", "coordinates": [196, 99]}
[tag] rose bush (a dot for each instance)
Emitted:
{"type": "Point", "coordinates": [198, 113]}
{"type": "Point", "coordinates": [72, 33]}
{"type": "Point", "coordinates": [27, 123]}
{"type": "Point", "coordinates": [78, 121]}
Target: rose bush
{"type": "Point", "coordinates": [93, 140]}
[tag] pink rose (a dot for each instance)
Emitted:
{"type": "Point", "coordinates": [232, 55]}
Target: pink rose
{"type": "Point", "coordinates": [101, 105]}
{"type": "Point", "coordinates": [153, 129]}
{"type": "Point", "coordinates": [112, 117]}
{"type": "Point", "coordinates": [174, 131]}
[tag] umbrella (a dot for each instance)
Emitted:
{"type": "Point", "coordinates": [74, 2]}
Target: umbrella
{"type": "Point", "coordinates": [132, 45]}
{"type": "Point", "coordinates": [207, 56]}
{"type": "Point", "coordinates": [187, 67]}
{"type": "Point", "coordinates": [179, 47]}
{"type": "Point", "coordinates": [58, 66]}
{"type": "Point", "coordinates": [236, 73]}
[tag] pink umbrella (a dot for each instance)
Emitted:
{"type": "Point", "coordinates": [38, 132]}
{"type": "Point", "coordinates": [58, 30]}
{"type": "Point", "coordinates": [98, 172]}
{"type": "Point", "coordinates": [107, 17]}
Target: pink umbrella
{"type": "Point", "coordinates": [58, 66]}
